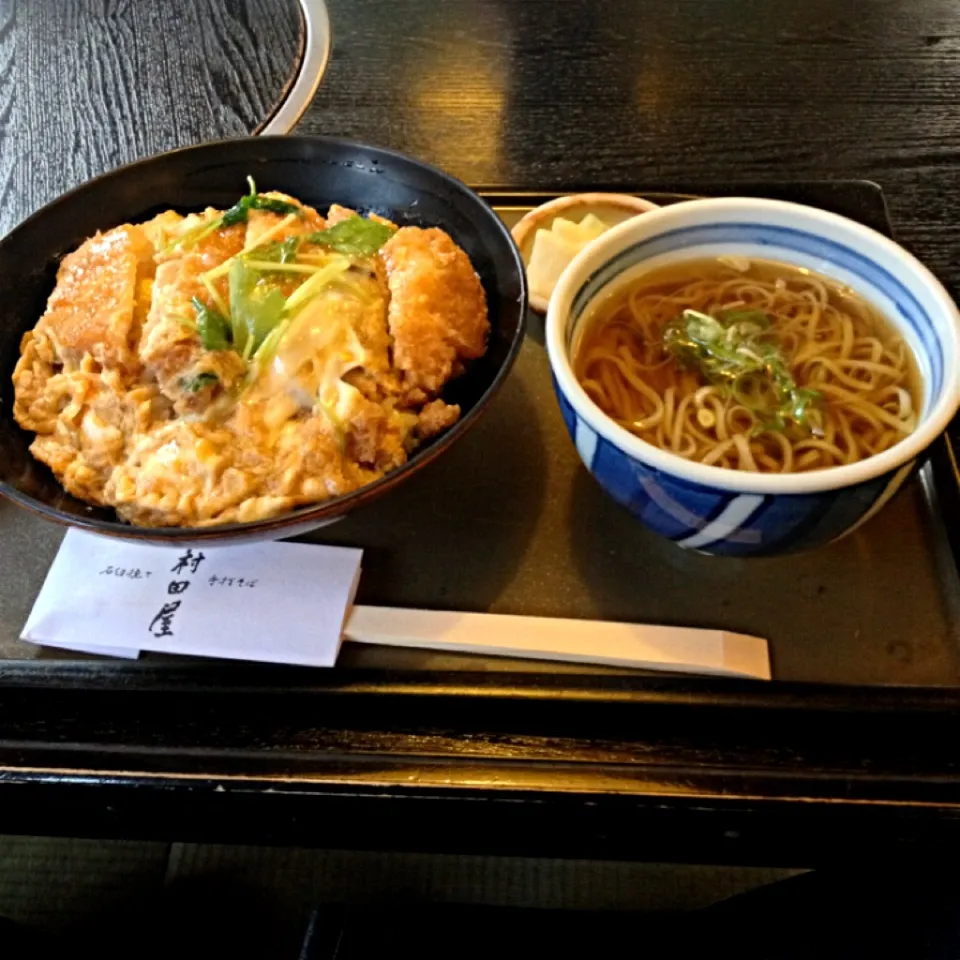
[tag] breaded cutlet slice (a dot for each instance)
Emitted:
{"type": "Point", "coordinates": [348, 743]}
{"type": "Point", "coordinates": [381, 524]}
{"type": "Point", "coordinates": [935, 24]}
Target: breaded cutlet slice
{"type": "Point", "coordinates": [435, 417]}
{"type": "Point", "coordinates": [438, 311]}
{"type": "Point", "coordinates": [91, 310]}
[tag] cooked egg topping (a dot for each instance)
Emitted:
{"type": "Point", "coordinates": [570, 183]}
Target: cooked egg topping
{"type": "Point", "coordinates": [231, 365]}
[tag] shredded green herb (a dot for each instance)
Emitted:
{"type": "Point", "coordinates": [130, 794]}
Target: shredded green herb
{"type": "Point", "coordinates": [196, 382]}
{"type": "Point", "coordinates": [283, 251]}
{"type": "Point", "coordinates": [732, 349]}
{"type": "Point", "coordinates": [259, 312]}
{"type": "Point", "coordinates": [274, 266]}
{"type": "Point", "coordinates": [354, 237]}
{"type": "Point", "coordinates": [256, 307]}
{"type": "Point", "coordinates": [213, 327]}
{"type": "Point", "coordinates": [238, 213]}
{"type": "Point", "coordinates": [256, 314]}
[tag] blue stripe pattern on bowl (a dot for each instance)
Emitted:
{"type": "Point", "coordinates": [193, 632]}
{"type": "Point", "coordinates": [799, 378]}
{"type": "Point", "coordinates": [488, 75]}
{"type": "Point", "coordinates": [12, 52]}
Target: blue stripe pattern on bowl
{"type": "Point", "coordinates": [723, 522]}
{"type": "Point", "coordinates": [703, 517]}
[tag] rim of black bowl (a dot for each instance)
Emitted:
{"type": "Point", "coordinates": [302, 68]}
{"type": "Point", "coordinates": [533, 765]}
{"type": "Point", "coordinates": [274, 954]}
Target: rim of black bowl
{"type": "Point", "coordinates": [336, 507]}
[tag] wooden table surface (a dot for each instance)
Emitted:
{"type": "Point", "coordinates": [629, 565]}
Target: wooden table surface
{"type": "Point", "coordinates": [89, 85]}
{"type": "Point", "coordinates": [499, 92]}
{"type": "Point", "coordinates": [645, 91]}
{"type": "Point", "coordinates": [536, 93]}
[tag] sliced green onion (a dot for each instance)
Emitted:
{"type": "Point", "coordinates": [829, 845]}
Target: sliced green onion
{"type": "Point", "coordinates": [318, 257]}
{"type": "Point", "coordinates": [729, 350]}
{"type": "Point", "coordinates": [338, 425]}
{"type": "Point", "coordinates": [194, 235]}
{"type": "Point", "coordinates": [265, 243]}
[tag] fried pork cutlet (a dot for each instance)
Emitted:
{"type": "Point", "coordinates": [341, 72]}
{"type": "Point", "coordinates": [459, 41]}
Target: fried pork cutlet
{"type": "Point", "coordinates": [438, 311]}
{"type": "Point", "coordinates": [143, 396]}
{"type": "Point", "coordinates": [77, 367]}
{"type": "Point", "coordinates": [91, 309]}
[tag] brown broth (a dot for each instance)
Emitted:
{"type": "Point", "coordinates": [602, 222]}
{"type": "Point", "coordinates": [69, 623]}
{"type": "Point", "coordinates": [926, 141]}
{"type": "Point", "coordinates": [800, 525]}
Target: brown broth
{"type": "Point", "coordinates": [831, 340]}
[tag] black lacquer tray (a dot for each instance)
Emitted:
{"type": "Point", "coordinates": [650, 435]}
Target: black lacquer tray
{"type": "Point", "coordinates": [850, 749]}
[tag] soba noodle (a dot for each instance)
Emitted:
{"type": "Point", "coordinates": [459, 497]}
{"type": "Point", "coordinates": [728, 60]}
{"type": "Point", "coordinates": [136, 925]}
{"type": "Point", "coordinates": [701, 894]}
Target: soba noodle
{"type": "Point", "coordinates": [830, 340]}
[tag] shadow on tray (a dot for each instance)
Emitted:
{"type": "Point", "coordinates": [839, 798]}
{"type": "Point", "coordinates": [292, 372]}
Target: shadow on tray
{"type": "Point", "coordinates": [453, 536]}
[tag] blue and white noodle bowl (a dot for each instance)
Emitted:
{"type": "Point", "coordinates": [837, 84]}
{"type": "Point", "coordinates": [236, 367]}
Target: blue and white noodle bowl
{"type": "Point", "coordinates": [730, 512]}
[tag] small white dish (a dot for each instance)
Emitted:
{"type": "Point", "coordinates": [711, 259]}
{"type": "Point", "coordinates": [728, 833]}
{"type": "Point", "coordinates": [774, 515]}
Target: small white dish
{"type": "Point", "coordinates": [612, 208]}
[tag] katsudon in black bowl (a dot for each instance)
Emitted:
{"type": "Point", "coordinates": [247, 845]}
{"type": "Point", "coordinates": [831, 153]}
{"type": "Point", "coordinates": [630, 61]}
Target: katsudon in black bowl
{"type": "Point", "coordinates": [246, 340]}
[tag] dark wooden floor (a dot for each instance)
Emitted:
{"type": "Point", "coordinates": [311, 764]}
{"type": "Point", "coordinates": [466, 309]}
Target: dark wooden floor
{"type": "Point", "coordinates": [71, 887]}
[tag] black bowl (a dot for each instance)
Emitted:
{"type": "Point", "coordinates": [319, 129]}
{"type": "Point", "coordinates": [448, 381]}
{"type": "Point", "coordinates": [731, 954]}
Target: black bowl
{"type": "Point", "coordinates": [317, 170]}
